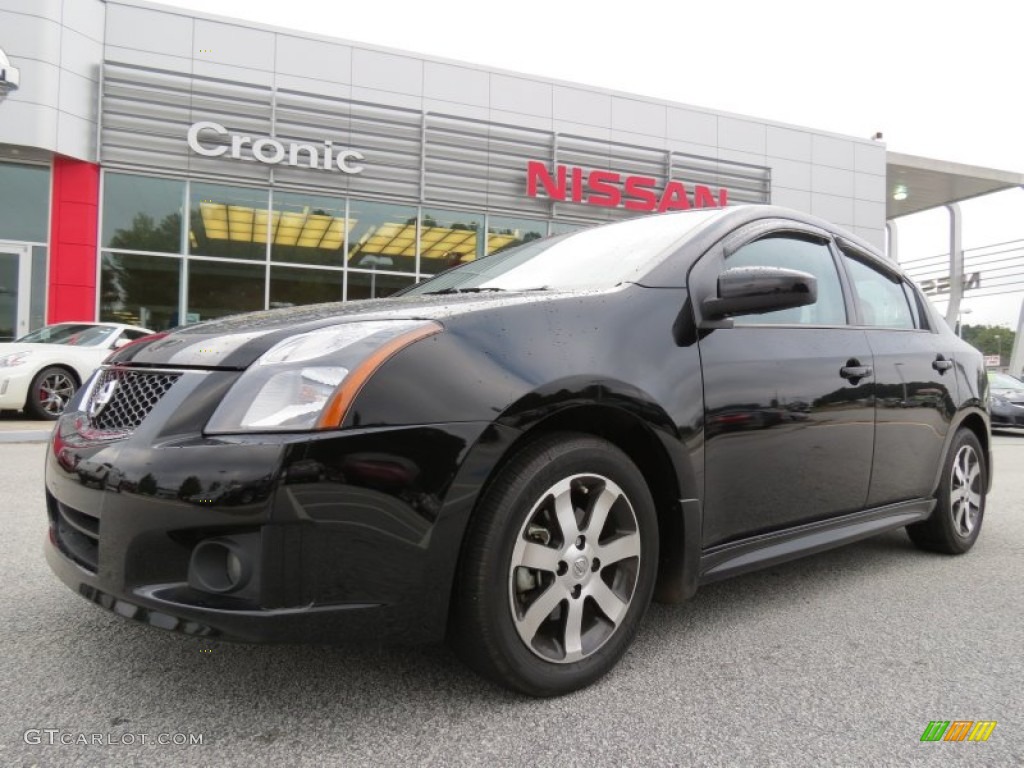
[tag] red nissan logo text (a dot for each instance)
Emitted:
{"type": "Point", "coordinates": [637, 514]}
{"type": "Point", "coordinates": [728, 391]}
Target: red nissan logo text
{"type": "Point", "coordinates": [610, 189]}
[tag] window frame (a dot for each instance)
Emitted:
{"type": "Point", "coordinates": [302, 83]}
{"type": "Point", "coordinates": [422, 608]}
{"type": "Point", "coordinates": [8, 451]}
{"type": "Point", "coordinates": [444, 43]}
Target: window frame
{"type": "Point", "coordinates": [918, 313]}
{"type": "Point", "coordinates": [702, 281]}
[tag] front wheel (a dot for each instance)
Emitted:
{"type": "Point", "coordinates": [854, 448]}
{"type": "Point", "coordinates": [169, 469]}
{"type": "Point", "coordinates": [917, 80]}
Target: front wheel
{"type": "Point", "coordinates": [50, 392]}
{"type": "Point", "coordinates": [558, 567]}
{"type": "Point", "coordinates": [960, 502]}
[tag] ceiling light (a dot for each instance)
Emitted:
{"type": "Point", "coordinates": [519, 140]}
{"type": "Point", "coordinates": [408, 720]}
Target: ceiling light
{"type": "Point", "coordinates": [900, 193]}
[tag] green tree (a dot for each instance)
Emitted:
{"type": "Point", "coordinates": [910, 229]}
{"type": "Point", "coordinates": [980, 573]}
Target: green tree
{"type": "Point", "coordinates": [990, 339]}
{"type": "Point", "coordinates": [147, 235]}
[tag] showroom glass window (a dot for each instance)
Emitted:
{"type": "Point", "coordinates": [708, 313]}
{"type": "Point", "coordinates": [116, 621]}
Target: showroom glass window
{"type": "Point", "coordinates": [142, 216]}
{"type": "Point", "coordinates": [24, 202]}
{"type": "Point", "coordinates": [382, 237]}
{"type": "Point", "coordinates": [504, 232]}
{"type": "Point", "coordinates": [24, 218]}
{"type": "Point", "coordinates": [220, 288]}
{"type": "Point", "coordinates": [228, 222]}
{"type": "Point", "coordinates": [565, 227]}
{"type": "Point", "coordinates": [141, 213]}
{"type": "Point", "coordinates": [374, 285]}
{"type": "Point", "coordinates": [806, 255]}
{"type": "Point", "coordinates": [307, 229]}
{"type": "Point", "coordinates": [449, 238]}
{"type": "Point", "coordinates": [295, 286]}
{"type": "Point", "coordinates": [140, 289]}
{"type": "Point", "coordinates": [881, 297]}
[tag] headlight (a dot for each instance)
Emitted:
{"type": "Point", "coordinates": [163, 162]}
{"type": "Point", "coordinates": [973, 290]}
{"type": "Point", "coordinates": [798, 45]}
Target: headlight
{"type": "Point", "coordinates": [308, 381]}
{"type": "Point", "coordinates": [999, 399]}
{"type": "Point", "coordinates": [13, 359]}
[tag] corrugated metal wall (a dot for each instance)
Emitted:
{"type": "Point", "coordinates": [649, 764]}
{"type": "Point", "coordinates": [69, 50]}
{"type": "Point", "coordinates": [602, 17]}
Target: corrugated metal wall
{"type": "Point", "coordinates": [410, 156]}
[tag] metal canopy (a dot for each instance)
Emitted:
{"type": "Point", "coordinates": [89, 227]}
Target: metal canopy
{"type": "Point", "coordinates": [930, 183]}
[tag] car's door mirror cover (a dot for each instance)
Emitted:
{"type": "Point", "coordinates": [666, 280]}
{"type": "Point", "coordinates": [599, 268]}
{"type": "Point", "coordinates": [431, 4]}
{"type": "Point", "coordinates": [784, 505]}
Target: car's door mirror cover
{"type": "Point", "coordinates": [756, 290]}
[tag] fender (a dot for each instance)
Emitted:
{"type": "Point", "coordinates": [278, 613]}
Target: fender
{"type": "Point", "coordinates": [973, 408]}
{"type": "Point", "coordinates": [611, 407]}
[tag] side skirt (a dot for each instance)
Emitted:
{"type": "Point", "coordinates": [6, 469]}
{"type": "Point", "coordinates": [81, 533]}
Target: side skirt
{"type": "Point", "coordinates": [768, 549]}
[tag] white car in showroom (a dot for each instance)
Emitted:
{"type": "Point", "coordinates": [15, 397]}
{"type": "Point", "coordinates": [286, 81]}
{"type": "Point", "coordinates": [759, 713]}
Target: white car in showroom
{"type": "Point", "coordinates": [41, 372]}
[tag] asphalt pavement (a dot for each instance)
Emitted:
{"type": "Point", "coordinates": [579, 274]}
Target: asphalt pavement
{"type": "Point", "coordinates": [838, 660]}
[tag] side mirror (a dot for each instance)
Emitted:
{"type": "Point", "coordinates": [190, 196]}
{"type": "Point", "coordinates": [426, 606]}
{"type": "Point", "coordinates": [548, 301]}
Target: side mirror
{"type": "Point", "coordinates": [756, 290]}
{"type": "Point", "coordinates": [121, 342]}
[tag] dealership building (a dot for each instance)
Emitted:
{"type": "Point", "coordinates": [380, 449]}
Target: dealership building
{"type": "Point", "coordinates": [161, 167]}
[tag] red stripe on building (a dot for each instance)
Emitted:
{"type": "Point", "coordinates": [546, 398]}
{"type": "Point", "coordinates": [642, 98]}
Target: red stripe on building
{"type": "Point", "coordinates": [74, 211]}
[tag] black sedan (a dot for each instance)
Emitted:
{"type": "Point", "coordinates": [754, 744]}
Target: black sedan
{"type": "Point", "coordinates": [520, 453]}
{"type": "Point", "coordinates": [1007, 400]}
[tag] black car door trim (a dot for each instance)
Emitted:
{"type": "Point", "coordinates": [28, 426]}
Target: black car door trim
{"type": "Point", "coordinates": [768, 549]}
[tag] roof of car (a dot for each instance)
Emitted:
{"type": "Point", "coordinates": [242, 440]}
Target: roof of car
{"type": "Point", "coordinates": [105, 325]}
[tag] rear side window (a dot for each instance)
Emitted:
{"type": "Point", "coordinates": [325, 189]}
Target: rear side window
{"type": "Point", "coordinates": [881, 298]}
{"type": "Point", "coordinates": [789, 252]}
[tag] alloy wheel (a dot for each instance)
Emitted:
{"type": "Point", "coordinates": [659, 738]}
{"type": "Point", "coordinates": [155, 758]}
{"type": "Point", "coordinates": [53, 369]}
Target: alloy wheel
{"type": "Point", "coordinates": [574, 568]}
{"type": "Point", "coordinates": [965, 491]}
{"type": "Point", "coordinates": [55, 392]}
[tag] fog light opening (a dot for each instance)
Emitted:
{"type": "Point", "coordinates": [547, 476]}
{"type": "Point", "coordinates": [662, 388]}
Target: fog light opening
{"type": "Point", "coordinates": [219, 566]}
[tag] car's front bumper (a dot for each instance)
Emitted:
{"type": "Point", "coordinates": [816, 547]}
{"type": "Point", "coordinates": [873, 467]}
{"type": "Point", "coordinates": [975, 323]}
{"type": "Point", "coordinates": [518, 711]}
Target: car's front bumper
{"type": "Point", "coordinates": [351, 534]}
{"type": "Point", "coordinates": [1008, 415]}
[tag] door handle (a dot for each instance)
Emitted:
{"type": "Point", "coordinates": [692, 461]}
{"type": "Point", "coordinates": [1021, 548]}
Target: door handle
{"type": "Point", "coordinates": [854, 371]}
{"type": "Point", "coordinates": [941, 364]}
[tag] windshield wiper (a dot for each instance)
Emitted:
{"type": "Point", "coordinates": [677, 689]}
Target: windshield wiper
{"type": "Point", "coordinates": [483, 290]}
{"type": "Point", "coordinates": [461, 290]}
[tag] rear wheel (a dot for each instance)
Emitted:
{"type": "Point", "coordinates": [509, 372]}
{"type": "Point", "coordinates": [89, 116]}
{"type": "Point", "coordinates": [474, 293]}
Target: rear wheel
{"type": "Point", "coordinates": [558, 567]}
{"type": "Point", "coordinates": [960, 502]}
{"type": "Point", "coordinates": [50, 392]}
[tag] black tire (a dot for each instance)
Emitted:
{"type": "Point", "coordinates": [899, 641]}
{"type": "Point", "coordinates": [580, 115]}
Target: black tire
{"type": "Point", "coordinates": [517, 521]}
{"type": "Point", "coordinates": [50, 392]}
{"type": "Point", "coordinates": [955, 523]}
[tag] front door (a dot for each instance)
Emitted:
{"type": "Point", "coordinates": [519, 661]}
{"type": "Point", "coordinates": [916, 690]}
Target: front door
{"type": "Point", "coordinates": [789, 416]}
{"type": "Point", "coordinates": [15, 290]}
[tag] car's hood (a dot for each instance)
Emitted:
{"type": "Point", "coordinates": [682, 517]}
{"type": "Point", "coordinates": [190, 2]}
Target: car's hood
{"type": "Point", "coordinates": [236, 342]}
{"type": "Point", "coordinates": [1013, 395]}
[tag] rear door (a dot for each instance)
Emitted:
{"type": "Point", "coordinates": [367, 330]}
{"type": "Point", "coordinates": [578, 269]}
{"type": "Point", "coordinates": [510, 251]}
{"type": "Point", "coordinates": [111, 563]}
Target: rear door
{"type": "Point", "coordinates": [789, 419]}
{"type": "Point", "coordinates": [915, 380]}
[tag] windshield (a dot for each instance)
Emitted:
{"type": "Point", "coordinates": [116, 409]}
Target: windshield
{"type": "Point", "coordinates": [596, 258]}
{"type": "Point", "coordinates": [72, 334]}
{"type": "Point", "coordinates": [1005, 381]}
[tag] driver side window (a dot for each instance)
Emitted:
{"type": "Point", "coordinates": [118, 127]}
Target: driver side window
{"type": "Point", "coordinates": [789, 252]}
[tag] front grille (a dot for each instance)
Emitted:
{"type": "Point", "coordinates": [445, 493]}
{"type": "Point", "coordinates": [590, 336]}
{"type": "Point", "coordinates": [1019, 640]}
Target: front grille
{"type": "Point", "coordinates": [77, 533]}
{"type": "Point", "coordinates": [135, 395]}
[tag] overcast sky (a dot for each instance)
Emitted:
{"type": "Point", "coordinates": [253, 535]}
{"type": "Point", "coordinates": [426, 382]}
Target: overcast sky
{"type": "Point", "coordinates": [937, 79]}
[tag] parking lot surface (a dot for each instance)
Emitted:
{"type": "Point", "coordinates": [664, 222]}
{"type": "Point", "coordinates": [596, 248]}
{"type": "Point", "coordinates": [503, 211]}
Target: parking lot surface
{"type": "Point", "coordinates": [840, 659]}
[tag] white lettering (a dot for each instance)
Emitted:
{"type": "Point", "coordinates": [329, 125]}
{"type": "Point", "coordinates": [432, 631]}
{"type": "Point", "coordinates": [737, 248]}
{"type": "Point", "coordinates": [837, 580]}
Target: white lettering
{"type": "Point", "coordinates": [270, 151]}
{"type": "Point", "coordinates": [199, 149]}
{"type": "Point", "coordinates": [349, 154]}
{"type": "Point", "coordinates": [277, 157]}
{"type": "Point", "coordinates": [237, 142]}
{"type": "Point", "coordinates": [293, 154]}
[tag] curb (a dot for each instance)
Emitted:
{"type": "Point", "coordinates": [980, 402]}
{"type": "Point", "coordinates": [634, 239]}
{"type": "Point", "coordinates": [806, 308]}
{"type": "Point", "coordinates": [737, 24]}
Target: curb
{"type": "Point", "coordinates": [25, 436]}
